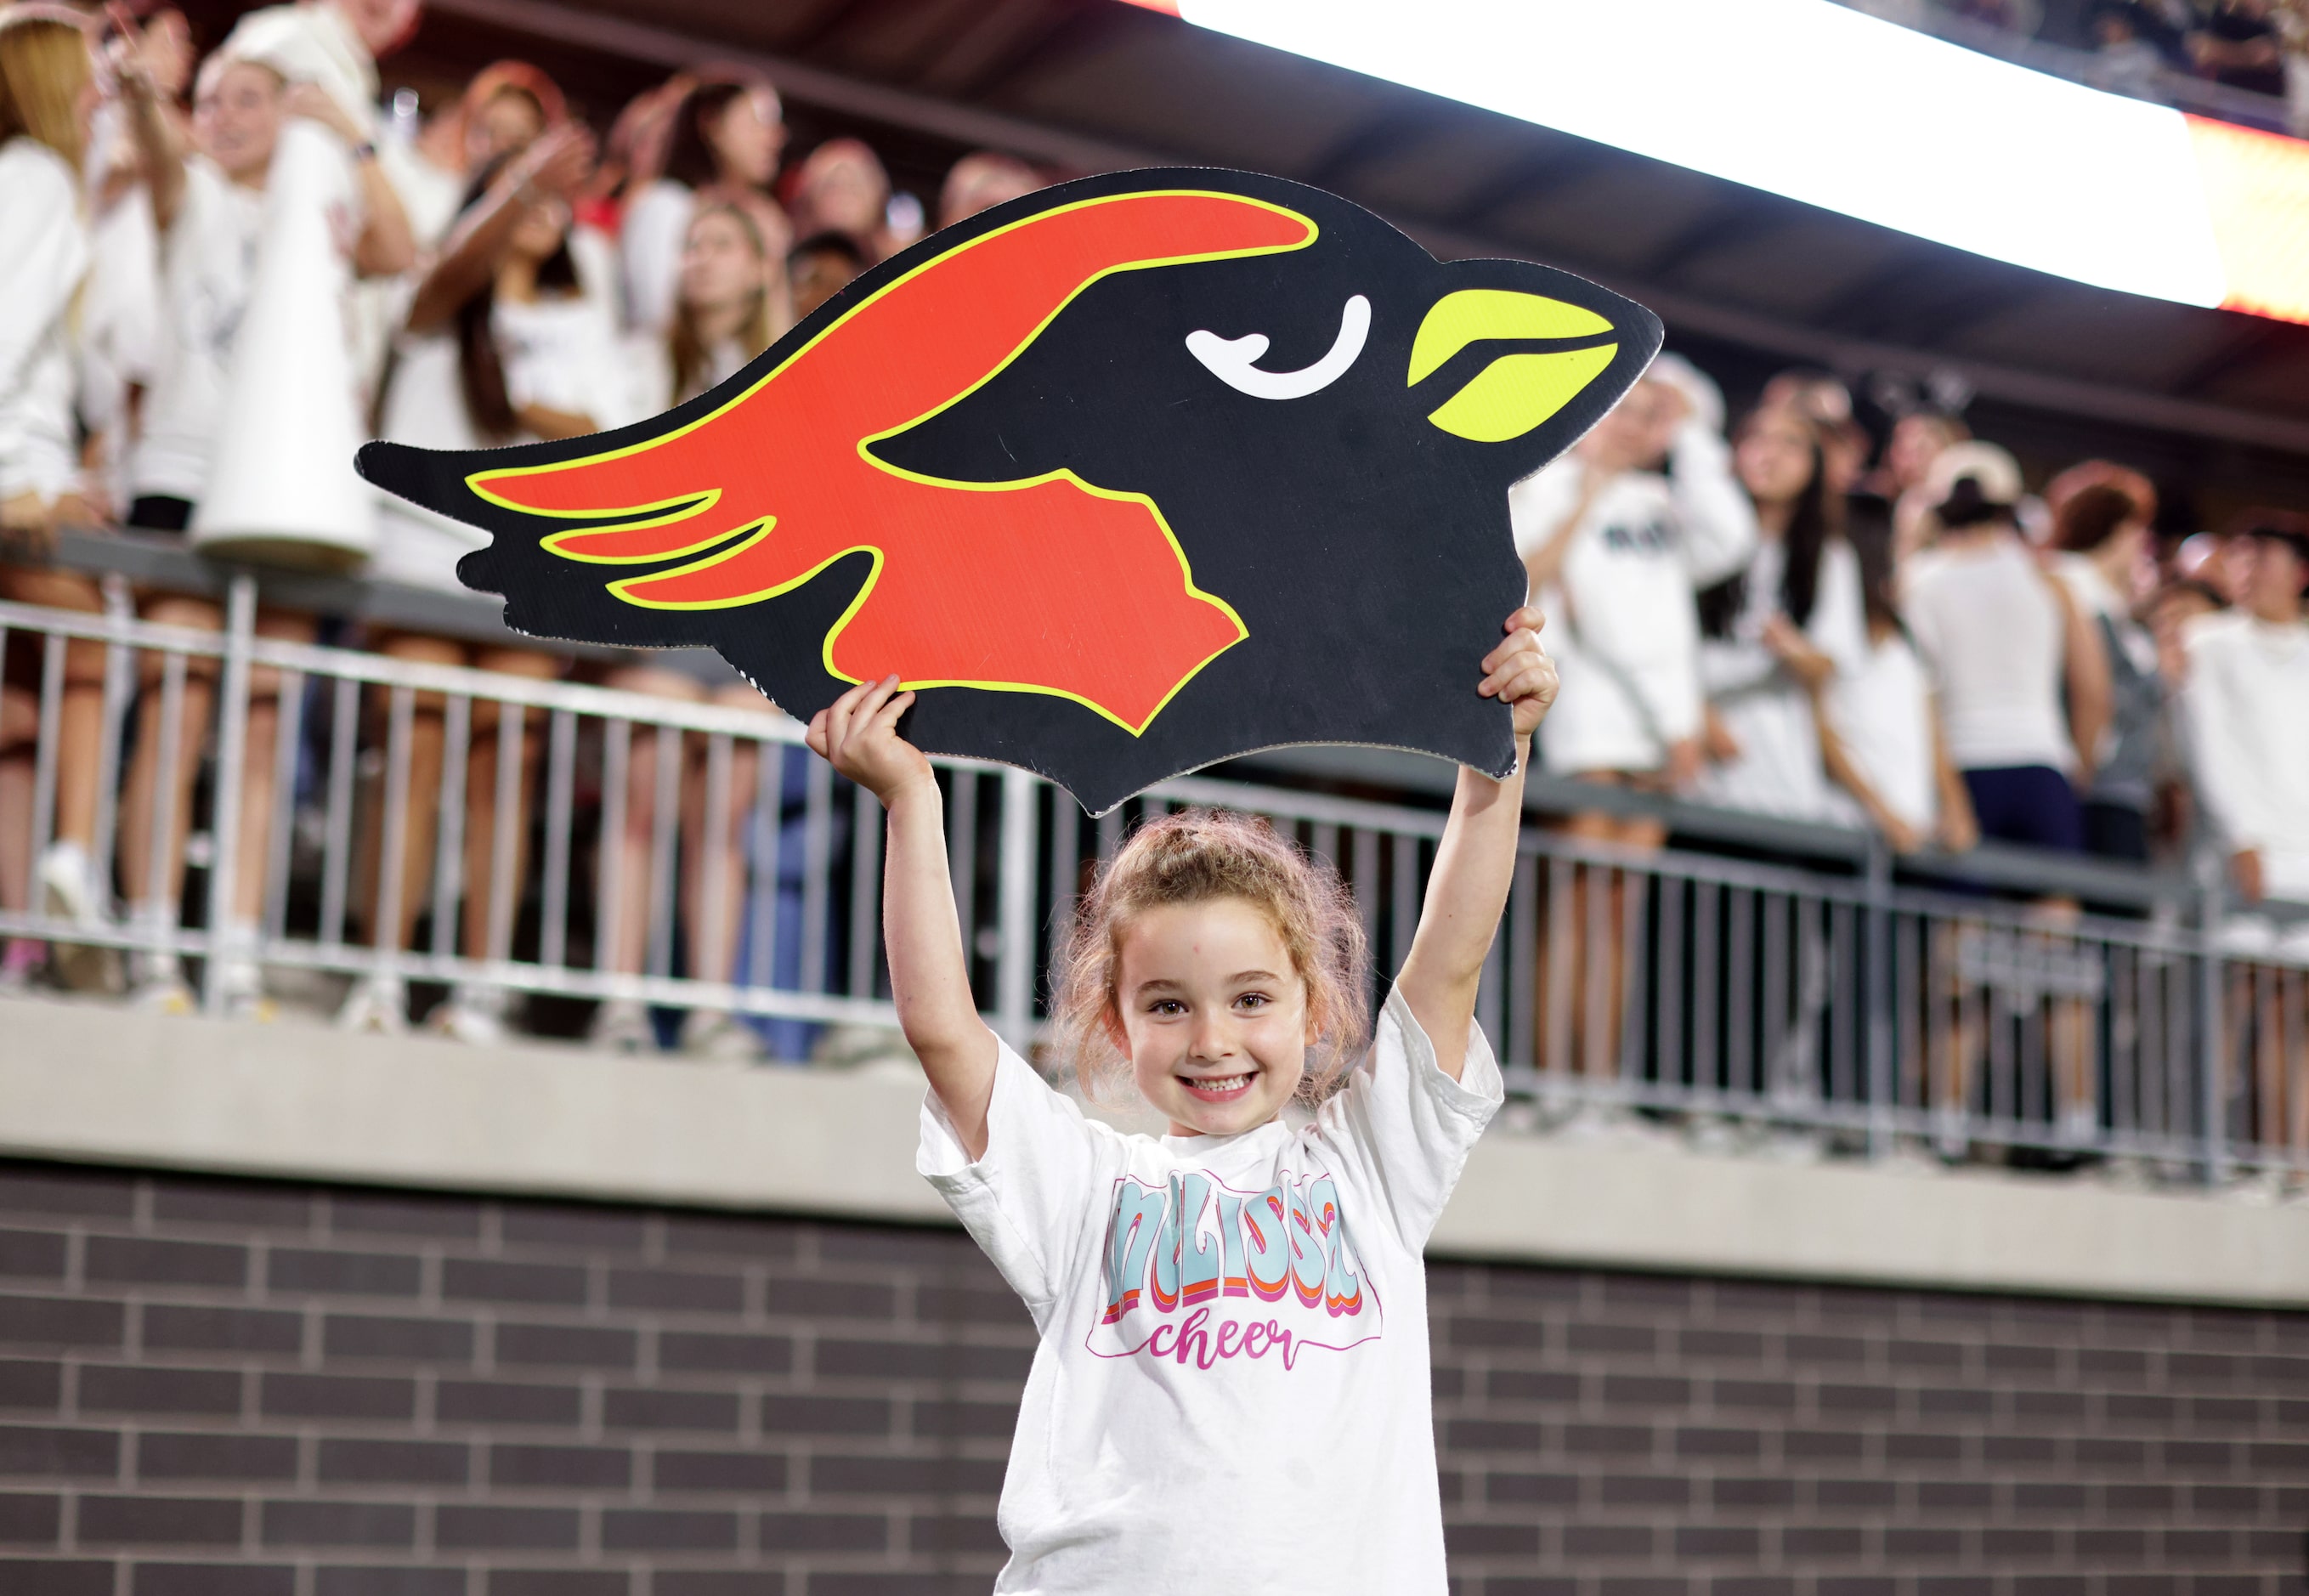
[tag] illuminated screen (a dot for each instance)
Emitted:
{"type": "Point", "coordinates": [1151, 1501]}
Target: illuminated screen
{"type": "Point", "coordinates": [1806, 99]}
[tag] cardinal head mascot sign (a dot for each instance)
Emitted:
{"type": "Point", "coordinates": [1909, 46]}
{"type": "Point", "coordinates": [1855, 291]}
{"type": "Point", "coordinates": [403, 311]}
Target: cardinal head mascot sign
{"type": "Point", "coordinates": [1124, 477]}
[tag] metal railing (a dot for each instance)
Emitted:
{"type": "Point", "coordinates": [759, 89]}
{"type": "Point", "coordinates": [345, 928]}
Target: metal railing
{"type": "Point", "coordinates": [1795, 989]}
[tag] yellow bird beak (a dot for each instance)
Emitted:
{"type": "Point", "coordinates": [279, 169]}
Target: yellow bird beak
{"type": "Point", "coordinates": [1518, 391]}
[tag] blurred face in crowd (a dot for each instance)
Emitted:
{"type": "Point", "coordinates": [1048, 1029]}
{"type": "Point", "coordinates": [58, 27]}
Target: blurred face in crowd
{"type": "Point", "coordinates": [1916, 442]}
{"type": "Point", "coordinates": [2169, 618]}
{"type": "Point", "coordinates": [381, 24]}
{"type": "Point", "coordinates": [818, 275]}
{"type": "Point", "coordinates": [844, 189]}
{"type": "Point", "coordinates": [721, 266]}
{"type": "Point", "coordinates": [1635, 434]}
{"type": "Point", "coordinates": [507, 126]}
{"type": "Point", "coordinates": [1775, 457]}
{"type": "Point", "coordinates": [539, 231]}
{"type": "Point", "coordinates": [747, 138]}
{"type": "Point", "coordinates": [979, 183]}
{"type": "Point", "coordinates": [238, 121]}
{"type": "Point", "coordinates": [2274, 572]}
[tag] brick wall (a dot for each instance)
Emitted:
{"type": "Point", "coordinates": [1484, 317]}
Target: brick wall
{"type": "Point", "coordinates": [241, 1389]}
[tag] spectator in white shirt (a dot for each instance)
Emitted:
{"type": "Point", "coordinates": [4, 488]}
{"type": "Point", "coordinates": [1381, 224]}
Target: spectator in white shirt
{"type": "Point", "coordinates": [726, 135]}
{"type": "Point", "coordinates": [2101, 517]}
{"type": "Point", "coordinates": [1615, 536]}
{"type": "Point", "coordinates": [48, 93]}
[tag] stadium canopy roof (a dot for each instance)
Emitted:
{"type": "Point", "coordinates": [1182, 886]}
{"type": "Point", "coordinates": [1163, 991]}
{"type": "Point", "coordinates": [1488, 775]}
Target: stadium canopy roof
{"type": "Point", "coordinates": [1094, 84]}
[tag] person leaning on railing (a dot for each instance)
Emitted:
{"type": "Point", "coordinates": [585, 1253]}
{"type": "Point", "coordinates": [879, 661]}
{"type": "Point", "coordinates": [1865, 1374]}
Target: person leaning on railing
{"type": "Point", "coordinates": [47, 91]}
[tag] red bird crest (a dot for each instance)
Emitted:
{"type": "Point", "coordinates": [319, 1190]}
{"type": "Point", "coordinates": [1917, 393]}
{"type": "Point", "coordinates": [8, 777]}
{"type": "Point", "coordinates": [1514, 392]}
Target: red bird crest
{"type": "Point", "coordinates": [1045, 584]}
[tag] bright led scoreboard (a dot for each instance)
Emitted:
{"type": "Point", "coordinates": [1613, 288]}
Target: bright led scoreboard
{"type": "Point", "coordinates": [1822, 104]}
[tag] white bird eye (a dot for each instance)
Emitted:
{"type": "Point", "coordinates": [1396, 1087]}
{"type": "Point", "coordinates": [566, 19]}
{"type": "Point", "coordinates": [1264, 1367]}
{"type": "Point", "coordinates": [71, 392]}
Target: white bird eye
{"type": "Point", "coordinates": [1232, 360]}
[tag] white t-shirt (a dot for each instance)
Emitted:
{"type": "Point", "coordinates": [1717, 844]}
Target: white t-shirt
{"type": "Point", "coordinates": [1620, 622]}
{"type": "Point", "coordinates": [1993, 632]}
{"type": "Point", "coordinates": [208, 265]}
{"type": "Point", "coordinates": [1244, 1410]}
{"type": "Point", "coordinates": [1880, 710]}
{"type": "Point", "coordinates": [1767, 711]}
{"type": "Point", "coordinates": [650, 238]}
{"type": "Point", "coordinates": [2247, 703]}
{"type": "Point", "coordinates": [44, 254]}
{"type": "Point", "coordinates": [559, 352]}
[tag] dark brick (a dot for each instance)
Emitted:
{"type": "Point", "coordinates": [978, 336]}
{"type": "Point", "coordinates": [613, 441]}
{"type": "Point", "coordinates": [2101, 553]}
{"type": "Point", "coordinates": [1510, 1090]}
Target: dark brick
{"type": "Point", "coordinates": [1907, 1544]}
{"type": "Point", "coordinates": [169, 1328]}
{"type": "Point", "coordinates": [2273, 1457]}
{"type": "Point", "coordinates": [1606, 1440]}
{"type": "Point", "coordinates": [158, 1520]}
{"type": "Point", "coordinates": [1905, 1447]}
{"type": "Point", "coordinates": [1711, 1441]}
{"type": "Point", "coordinates": [904, 1476]}
{"type": "Point", "coordinates": [1842, 1400]}
{"type": "Point", "coordinates": [356, 1213]}
{"type": "Point", "coordinates": [823, 1531]}
{"type": "Point", "coordinates": [1971, 1497]}
{"type": "Point", "coordinates": [60, 1321]}
{"type": "Point", "coordinates": [705, 1236]}
{"type": "Point", "coordinates": [2019, 1452]}
{"type": "Point", "coordinates": [389, 1582]}
{"type": "Point", "coordinates": [2111, 1365]}
{"type": "Point", "coordinates": [342, 1274]}
{"type": "Point", "coordinates": [116, 1388]}
{"type": "Point", "coordinates": [2200, 1457]}
{"type": "Point", "coordinates": [2224, 1413]}
{"type": "Point", "coordinates": [945, 1303]}
{"type": "Point", "coordinates": [1726, 1346]}
{"type": "Point", "coordinates": [1531, 1386]}
{"type": "Point", "coordinates": [505, 1401]}
{"type": "Point", "coordinates": [55, 1576]}
{"type": "Point", "coordinates": [1812, 1543]}
{"type": "Point", "coordinates": [594, 1229]}
{"type": "Point", "coordinates": [989, 1421]}
{"type": "Point", "coordinates": [461, 1528]}
{"type": "Point", "coordinates": [578, 1346]}
{"type": "Point", "coordinates": [394, 1463]}
{"type": "Point", "coordinates": [2011, 1362]}
{"type": "Point", "coordinates": [754, 1472]}
{"type": "Point", "coordinates": [1465, 1539]}
{"type": "Point", "coordinates": [32, 1254]}
{"type": "Point", "coordinates": [243, 1205]}
{"type": "Point", "coordinates": [677, 1290]}
{"type": "Point", "coordinates": [1613, 1340]}
{"type": "Point", "coordinates": [840, 1416]}
{"type": "Point", "coordinates": [1555, 1490]}
{"type": "Point", "coordinates": [402, 1341]}
{"type": "Point", "coordinates": [577, 1467]}
{"type": "Point", "coordinates": [556, 1582]}
{"type": "Point", "coordinates": [836, 1299]}
{"type": "Point", "coordinates": [922, 1248]}
{"type": "Point", "coordinates": [2064, 1408]}
{"type": "Point", "coordinates": [25, 1383]}
{"type": "Point", "coordinates": [1619, 1541]}
{"type": "Point", "coordinates": [658, 1409]}
{"type": "Point", "coordinates": [1646, 1391]}
{"type": "Point", "coordinates": [831, 1583]}
{"type": "Point", "coordinates": [1805, 1351]}
{"type": "Point", "coordinates": [1955, 1405]}
{"type": "Point", "coordinates": [659, 1529]}
{"type": "Point", "coordinates": [339, 1396]}
{"type": "Point", "coordinates": [946, 1535]}
{"type": "Point", "coordinates": [1646, 1490]}
{"type": "Point", "coordinates": [27, 1520]}
{"type": "Point", "coordinates": [1847, 1495]}
{"type": "Point", "coordinates": [340, 1524]}
{"type": "Point", "coordinates": [2000, 1545]}
{"type": "Point", "coordinates": [144, 1261]}
{"type": "Point", "coordinates": [163, 1454]}
{"type": "Point", "coordinates": [1924, 1356]}
{"type": "Point", "coordinates": [59, 1454]}
{"type": "Point", "coordinates": [486, 1279]}
{"type": "Point", "coordinates": [717, 1581]}
{"type": "Point", "coordinates": [708, 1351]}
{"type": "Point", "coordinates": [1761, 1396]}
{"type": "Point", "coordinates": [1495, 1435]}
{"type": "Point", "coordinates": [211, 1579]}
{"type": "Point", "coordinates": [1716, 1540]}
{"type": "Point", "coordinates": [25, 1189]}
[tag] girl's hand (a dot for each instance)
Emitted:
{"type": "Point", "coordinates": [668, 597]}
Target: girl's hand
{"type": "Point", "coordinates": [316, 104]}
{"type": "Point", "coordinates": [858, 735]}
{"type": "Point", "coordinates": [1518, 673]}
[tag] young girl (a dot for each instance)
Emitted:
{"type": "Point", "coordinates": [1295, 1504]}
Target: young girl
{"type": "Point", "coordinates": [726, 136]}
{"type": "Point", "coordinates": [1230, 1393]}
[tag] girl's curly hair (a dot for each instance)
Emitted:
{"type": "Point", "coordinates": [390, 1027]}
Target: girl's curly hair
{"type": "Point", "coordinates": [1193, 856]}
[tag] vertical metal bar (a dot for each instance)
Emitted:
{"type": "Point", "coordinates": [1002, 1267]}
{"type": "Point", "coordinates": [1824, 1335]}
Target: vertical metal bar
{"type": "Point", "coordinates": [336, 848]}
{"type": "Point", "coordinates": [120, 682]}
{"type": "Point", "coordinates": [560, 802]}
{"type": "Point", "coordinates": [449, 823]}
{"type": "Point", "coordinates": [817, 865]}
{"type": "Point", "coordinates": [1490, 993]}
{"type": "Point", "coordinates": [1707, 1038]}
{"type": "Point", "coordinates": [962, 845]}
{"type": "Point", "coordinates": [1911, 994]}
{"type": "Point", "coordinates": [865, 880]}
{"type": "Point", "coordinates": [160, 826]}
{"type": "Point", "coordinates": [2124, 1041]}
{"type": "Point", "coordinates": [44, 756]}
{"type": "Point", "coordinates": [1773, 1065]}
{"type": "Point", "coordinates": [1667, 1015]}
{"type": "Point", "coordinates": [1595, 998]}
{"type": "Point", "coordinates": [1065, 865]}
{"type": "Point", "coordinates": [1403, 902]}
{"type": "Point", "coordinates": [1110, 832]}
{"type": "Point", "coordinates": [1013, 970]}
{"type": "Point", "coordinates": [769, 806]}
{"type": "Point", "coordinates": [232, 750]}
{"type": "Point", "coordinates": [2213, 1098]}
{"type": "Point", "coordinates": [1880, 1030]}
{"type": "Point", "coordinates": [400, 717]}
{"type": "Point", "coordinates": [1364, 851]}
{"type": "Point", "coordinates": [280, 828]}
{"type": "Point", "coordinates": [1635, 897]}
{"type": "Point", "coordinates": [609, 867]}
{"type": "Point", "coordinates": [1523, 961]}
{"type": "Point", "coordinates": [1326, 841]}
{"type": "Point", "coordinates": [505, 841]}
{"type": "Point", "coordinates": [713, 911]}
{"type": "Point", "coordinates": [665, 834]}
{"type": "Point", "coordinates": [1740, 1071]}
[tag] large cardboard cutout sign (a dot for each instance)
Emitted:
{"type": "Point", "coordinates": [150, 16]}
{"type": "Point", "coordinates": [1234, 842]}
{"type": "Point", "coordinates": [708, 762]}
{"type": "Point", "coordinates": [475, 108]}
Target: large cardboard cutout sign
{"type": "Point", "coordinates": [1124, 476]}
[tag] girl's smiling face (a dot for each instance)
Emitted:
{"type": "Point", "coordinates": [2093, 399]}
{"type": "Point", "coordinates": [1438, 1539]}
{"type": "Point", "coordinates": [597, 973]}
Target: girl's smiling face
{"type": "Point", "coordinates": [1213, 1014]}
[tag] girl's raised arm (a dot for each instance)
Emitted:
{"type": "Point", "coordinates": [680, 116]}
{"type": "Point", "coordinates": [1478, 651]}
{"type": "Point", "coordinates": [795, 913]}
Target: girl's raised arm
{"type": "Point", "coordinates": [858, 735]}
{"type": "Point", "coordinates": [1467, 891]}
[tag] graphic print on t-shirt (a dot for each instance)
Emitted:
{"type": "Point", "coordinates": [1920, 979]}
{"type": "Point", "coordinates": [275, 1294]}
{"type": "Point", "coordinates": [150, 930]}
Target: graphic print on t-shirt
{"type": "Point", "coordinates": [1197, 1272]}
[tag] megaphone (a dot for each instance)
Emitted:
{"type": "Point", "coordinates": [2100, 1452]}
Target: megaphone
{"type": "Point", "coordinates": [282, 490]}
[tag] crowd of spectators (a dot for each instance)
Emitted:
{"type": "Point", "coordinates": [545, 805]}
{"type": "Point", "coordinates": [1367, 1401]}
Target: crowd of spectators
{"type": "Point", "coordinates": [1783, 615]}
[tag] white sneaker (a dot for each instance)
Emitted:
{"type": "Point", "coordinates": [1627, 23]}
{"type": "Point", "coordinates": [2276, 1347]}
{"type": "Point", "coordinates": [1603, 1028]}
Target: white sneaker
{"type": "Point", "coordinates": [621, 1026]}
{"type": "Point", "coordinates": [164, 993]}
{"type": "Point", "coordinates": [719, 1035]}
{"type": "Point", "coordinates": [1949, 1138]}
{"type": "Point", "coordinates": [474, 1015]}
{"type": "Point", "coordinates": [2080, 1124]}
{"type": "Point", "coordinates": [377, 1004]}
{"type": "Point", "coordinates": [72, 890]}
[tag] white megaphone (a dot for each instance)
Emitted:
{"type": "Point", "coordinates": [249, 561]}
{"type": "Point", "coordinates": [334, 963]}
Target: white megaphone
{"type": "Point", "coordinates": [282, 489]}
